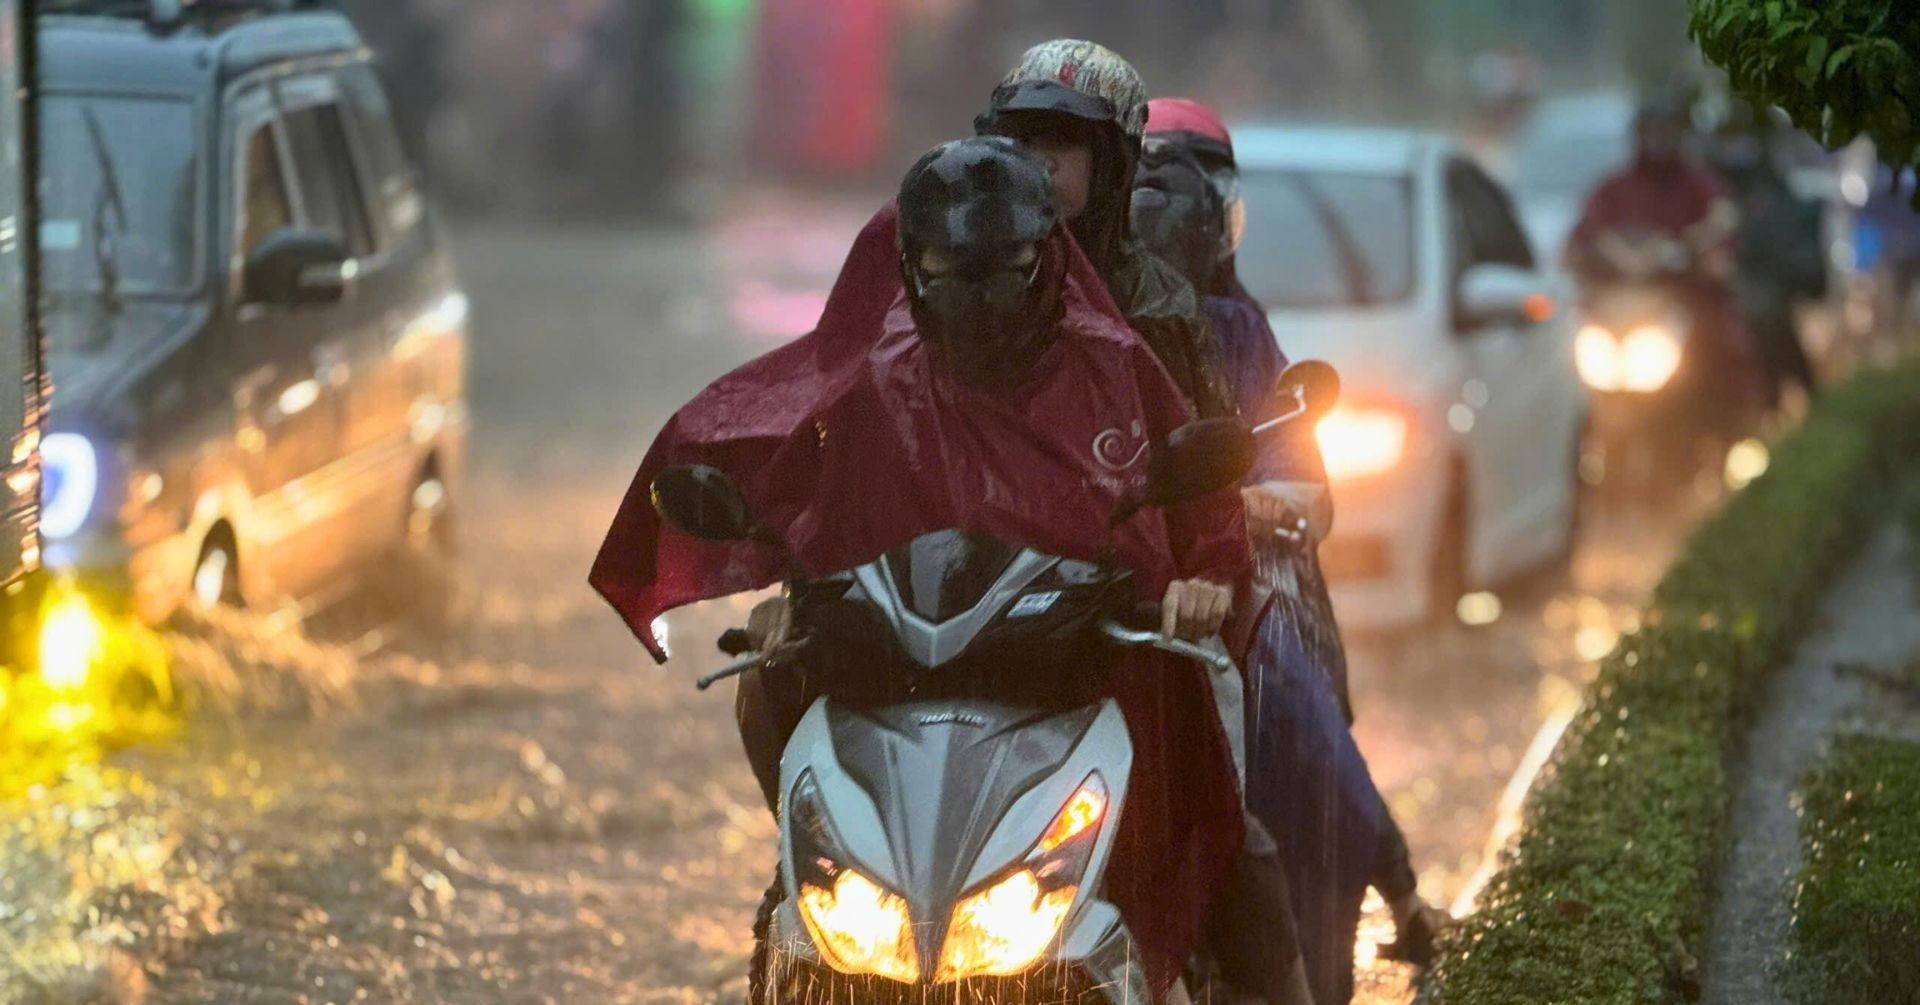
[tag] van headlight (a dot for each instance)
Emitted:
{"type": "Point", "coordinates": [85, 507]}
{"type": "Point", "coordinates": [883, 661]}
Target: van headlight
{"type": "Point", "coordinates": [69, 482]}
{"type": "Point", "coordinates": [1005, 929]}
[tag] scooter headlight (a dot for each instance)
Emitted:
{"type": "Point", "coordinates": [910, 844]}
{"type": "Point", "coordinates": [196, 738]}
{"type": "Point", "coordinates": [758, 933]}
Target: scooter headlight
{"type": "Point", "coordinates": [1005, 929]}
{"type": "Point", "coordinates": [68, 485]}
{"type": "Point", "coordinates": [1649, 358]}
{"type": "Point", "coordinates": [1596, 355]}
{"type": "Point", "coordinates": [858, 926]}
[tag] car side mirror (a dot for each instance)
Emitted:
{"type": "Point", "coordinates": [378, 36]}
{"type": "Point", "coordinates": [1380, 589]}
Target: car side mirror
{"type": "Point", "coordinates": [703, 502]}
{"type": "Point", "coordinates": [1313, 384]}
{"type": "Point", "coordinates": [296, 267]}
{"type": "Point", "coordinates": [1505, 294]}
{"type": "Point", "coordinates": [1199, 459]}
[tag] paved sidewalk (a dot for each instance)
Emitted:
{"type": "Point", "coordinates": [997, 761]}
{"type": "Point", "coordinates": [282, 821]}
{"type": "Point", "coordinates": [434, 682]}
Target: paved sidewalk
{"type": "Point", "coordinates": [1871, 618]}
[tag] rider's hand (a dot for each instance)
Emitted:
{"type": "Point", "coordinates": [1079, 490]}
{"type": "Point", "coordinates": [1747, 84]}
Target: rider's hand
{"type": "Point", "coordinates": [769, 624]}
{"type": "Point", "coordinates": [1268, 511]}
{"type": "Point", "coordinates": [1194, 609]}
{"type": "Point", "coordinates": [1417, 926]}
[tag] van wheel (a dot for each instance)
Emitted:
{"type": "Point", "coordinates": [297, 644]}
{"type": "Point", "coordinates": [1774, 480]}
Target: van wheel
{"type": "Point", "coordinates": [216, 575]}
{"type": "Point", "coordinates": [426, 566]}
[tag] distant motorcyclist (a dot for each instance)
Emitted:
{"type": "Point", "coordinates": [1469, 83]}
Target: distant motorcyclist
{"type": "Point", "coordinates": [1335, 832]}
{"type": "Point", "coordinates": [970, 373]}
{"type": "Point", "coordinates": [1781, 255]}
{"type": "Point", "coordinates": [1668, 221]}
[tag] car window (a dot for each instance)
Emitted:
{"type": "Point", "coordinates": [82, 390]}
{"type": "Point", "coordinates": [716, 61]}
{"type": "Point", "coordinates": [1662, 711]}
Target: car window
{"type": "Point", "coordinates": [265, 206]}
{"type": "Point", "coordinates": [120, 195]}
{"type": "Point", "coordinates": [385, 172]}
{"type": "Point", "coordinates": [329, 186]}
{"type": "Point", "coordinates": [1326, 239]}
{"type": "Point", "coordinates": [1484, 228]}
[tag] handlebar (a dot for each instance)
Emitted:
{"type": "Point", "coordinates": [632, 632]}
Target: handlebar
{"type": "Point", "coordinates": [1138, 628]}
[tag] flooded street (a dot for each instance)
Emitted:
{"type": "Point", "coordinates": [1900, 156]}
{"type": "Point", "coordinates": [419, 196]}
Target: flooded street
{"type": "Point", "coordinates": [529, 811]}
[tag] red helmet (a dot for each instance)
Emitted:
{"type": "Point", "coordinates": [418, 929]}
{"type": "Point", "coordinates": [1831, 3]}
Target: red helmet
{"type": "Point", "coordinates": [1196, 127]}
{"type": "Point", "coordinates": [1197, 121]}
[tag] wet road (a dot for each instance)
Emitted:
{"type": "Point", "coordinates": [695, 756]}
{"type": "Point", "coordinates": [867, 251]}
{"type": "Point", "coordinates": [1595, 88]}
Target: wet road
{"type": "Point", "coordinates": [529, 812]}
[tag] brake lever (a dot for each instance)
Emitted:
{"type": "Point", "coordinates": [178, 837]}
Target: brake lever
{"type": "Point", "coordinates": [753, 660]}
{"type": "Point", "coordinates": [1128, 638]}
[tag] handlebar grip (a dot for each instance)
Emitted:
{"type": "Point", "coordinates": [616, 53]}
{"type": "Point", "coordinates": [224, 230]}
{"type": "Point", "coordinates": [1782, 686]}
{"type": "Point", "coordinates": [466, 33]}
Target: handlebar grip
{"type": "Point", "coordinates": [736, 642]}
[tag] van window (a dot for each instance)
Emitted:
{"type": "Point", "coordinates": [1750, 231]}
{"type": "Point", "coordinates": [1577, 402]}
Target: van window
{"type": "Point", "coordinates": [388, 176]}
{"type": "Point", "coordinates": [265, 203]}
{"type": "Point", "coordinates": [120, 195]}
{"type": "Point", "coordinates": [329, 187]}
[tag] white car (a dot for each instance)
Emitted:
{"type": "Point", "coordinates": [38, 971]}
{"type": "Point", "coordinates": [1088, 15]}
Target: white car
{"type": "Point", "coordinates": [1567, 147]}
{"type": "Point", "coordinates": [1454, 451]}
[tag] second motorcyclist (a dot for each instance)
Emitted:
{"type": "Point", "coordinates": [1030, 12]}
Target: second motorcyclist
{"type": "Point", "coordinates": [1306, 780]}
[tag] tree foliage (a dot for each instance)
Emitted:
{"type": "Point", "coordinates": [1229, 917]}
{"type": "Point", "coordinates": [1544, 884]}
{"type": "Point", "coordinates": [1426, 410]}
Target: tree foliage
{"type": "Point", "coordinates": [1842, 69]}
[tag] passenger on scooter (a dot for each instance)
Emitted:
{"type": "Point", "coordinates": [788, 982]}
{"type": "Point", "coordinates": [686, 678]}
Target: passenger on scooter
{"type": "Point", "coordinates": [1306, 779]}
{"type": "Point", "coordinates": [1083, 109]}
{"type": "Point", "coordinates": [970, 372]}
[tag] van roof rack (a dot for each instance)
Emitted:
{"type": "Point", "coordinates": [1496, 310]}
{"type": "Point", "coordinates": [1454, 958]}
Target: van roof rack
{"type": "Point", "coordinates": [169, 13]}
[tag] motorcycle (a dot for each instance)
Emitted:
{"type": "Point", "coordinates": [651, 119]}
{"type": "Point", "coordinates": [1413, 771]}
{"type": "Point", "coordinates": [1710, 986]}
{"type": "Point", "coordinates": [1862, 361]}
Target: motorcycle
{"type": "Point", "coordinates": [949, 800]}
{"type": "Point", "coordinates": [1664, 406]}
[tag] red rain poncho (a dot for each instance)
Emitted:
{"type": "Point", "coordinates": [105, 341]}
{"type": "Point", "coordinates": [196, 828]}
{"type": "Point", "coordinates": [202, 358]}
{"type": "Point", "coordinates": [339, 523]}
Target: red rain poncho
{"type": "Point", "coordinates": [851, 441]}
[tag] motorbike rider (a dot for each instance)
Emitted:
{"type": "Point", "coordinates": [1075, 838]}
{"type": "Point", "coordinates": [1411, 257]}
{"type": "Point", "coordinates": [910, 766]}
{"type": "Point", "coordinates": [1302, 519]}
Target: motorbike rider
{"type": "Point", "coordinates": [1667, 219]}
{"type": "Point", "coordinates": [969, 353]}
{"type": "Point", "coordinates": [1187, 207]}
{"type": "Point", "coordinates": [1083, 109]}
{"type": "Point", "coordinates": [1781, 257]}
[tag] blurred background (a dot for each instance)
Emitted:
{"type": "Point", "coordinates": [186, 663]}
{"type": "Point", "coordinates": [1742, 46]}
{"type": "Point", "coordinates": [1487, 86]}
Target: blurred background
{"type": "Point", "coordinates": [658, 106]}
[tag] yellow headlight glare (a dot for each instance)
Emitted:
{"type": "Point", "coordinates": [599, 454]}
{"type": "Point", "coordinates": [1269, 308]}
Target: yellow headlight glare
{"type": "Point", "coordinates": [1362, 441]}
{"type": "Point", "coordinates": [1005, 929]}
{"type": "Point", "coordinates": [861, 928]}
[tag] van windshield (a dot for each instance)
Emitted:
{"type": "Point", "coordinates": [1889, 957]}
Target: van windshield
{"type": "Point", "coordinates": [120, 211]}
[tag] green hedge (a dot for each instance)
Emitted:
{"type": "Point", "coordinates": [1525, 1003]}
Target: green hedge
{"type": "Point", "coordinates": [1856, 923]}
{"type": "Point", "coordinates": [1607, 892]}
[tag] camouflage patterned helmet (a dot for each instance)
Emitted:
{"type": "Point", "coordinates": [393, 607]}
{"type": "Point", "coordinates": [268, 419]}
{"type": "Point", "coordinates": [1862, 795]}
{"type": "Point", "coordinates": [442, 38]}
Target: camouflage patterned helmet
{"type": "Point", "coordinates": [1092, 70]}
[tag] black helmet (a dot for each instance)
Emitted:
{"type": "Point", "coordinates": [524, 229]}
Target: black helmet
{"type": "Point", "coordinates": [1177, 210]}
{"type": "Point", "coordinates": [974, 215]}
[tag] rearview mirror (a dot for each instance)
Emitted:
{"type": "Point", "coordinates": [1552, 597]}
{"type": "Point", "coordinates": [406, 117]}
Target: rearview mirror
{"type": "Point", "coordinates": [1504, 294]}
{"type": "Point", "coordinates": [1315, 385]}
{"type": "Point", "coordinates": [295, 267]}
{"type": "Point", "coordinates": [702, 502]}
{"type": "Point", "coordinates": [1198, 459]}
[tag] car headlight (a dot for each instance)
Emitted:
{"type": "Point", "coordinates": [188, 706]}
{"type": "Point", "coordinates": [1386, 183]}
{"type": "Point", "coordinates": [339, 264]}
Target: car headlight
{"type": "Point", "coordinates": [70, 640]}
{"type": "Point", "coordinates": [1649, 358]}
{"type": "Point", "coordinates": [1006, 928]}
{"type": "Point", "coordinates": [69, 482]}
{"type": "Point", "coordinates": [1360, 441]}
